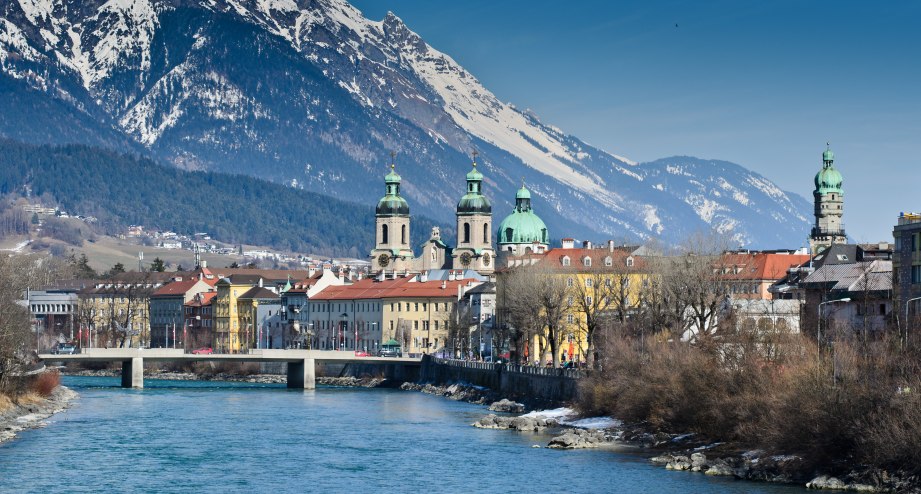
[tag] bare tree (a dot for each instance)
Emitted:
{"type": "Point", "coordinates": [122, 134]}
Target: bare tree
{"type": "Point", "coordinates": [459, 330]}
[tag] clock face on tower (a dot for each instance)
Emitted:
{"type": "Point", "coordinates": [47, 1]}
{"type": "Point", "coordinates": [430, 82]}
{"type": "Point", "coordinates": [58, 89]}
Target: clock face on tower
{"type": "Point", "coordinates": [486, 259]}
{"type": "Point", "coordinates": [465, 259]}
{"type": "Point", "coordinates": [383, 260]}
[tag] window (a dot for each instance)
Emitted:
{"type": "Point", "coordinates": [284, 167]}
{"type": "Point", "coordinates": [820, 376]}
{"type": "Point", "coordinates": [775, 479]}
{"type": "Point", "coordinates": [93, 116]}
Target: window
{"type": "Point", "coordinates": [508, 235]}
{"type": "Point", "coordinates": [569, 300]}
{"type": "Point", "coordinates": [588, 282]}
{"type": "Point", "coordinates": [466, 233]}
{"type": "Point", "coordinates": [588, 300]}
{"type": "Point", "coordinates": [630, 262]}
{"type": "Point", "coordinates": [485, 233]}
{"type": "Point", "coordinates": [569, 318]}
{"type": "Point", "coordinates": [587, 261]}
{"type": "Point", "coordinates": [565, 260]}
{"type": "Point", "coordinates": [608, 261]}
{"type": "Point", "coordinates": [569, 282]}
{"type": "Point", "coordinates": [403, 234]}
{"type": "Point", "coordinates": [417, 307]}
{"type": "Point", "coordinates": [384, 236]}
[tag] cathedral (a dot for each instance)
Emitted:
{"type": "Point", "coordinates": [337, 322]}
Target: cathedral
{"type": "Point", "coordinates": [829, 201]}
{"type": "Point", "coordinates": [522, 231]}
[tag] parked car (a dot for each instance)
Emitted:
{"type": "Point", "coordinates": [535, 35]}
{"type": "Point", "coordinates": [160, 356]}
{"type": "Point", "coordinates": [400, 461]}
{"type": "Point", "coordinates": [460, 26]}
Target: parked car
{"type": "Point", "coordinates": [391, 352]}
{"type": "Point", "coordinates": [64, 349]}
{"type": "Point", "coordinates": [362, 354]}
{"type": "Point", "coordinates": [203, 351]}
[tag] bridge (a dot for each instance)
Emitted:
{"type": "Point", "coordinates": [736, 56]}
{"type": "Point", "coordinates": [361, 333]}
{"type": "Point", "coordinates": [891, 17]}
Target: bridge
{"type": "Point", "coordinates": [301, 363]}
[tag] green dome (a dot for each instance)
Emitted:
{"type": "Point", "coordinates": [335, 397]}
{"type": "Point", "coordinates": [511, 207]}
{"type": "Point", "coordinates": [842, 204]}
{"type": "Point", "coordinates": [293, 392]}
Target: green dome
{"type": "Point", "coordinates": [523, 227]}
{"type": "Point", "coordinates": [392, 204]}
{"type": "Point", "coordinates": [474, 204]}
{"type": "Point", "coordinates": [828, 180]}
{"type": "Point", "coordinates": [474, 175]}
{"type": "Point", "coordinates": [523, 193]}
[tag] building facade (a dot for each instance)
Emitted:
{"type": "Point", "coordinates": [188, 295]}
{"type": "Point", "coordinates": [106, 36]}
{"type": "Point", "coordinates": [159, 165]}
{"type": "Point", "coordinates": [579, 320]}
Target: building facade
{"type": "Point", "coordinates": [906, 265]}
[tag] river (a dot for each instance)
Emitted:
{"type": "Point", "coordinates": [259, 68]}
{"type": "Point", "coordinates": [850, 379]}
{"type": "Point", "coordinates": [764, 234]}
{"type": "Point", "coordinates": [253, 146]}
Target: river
{"type": "Point", "coordinates": [190, 436]}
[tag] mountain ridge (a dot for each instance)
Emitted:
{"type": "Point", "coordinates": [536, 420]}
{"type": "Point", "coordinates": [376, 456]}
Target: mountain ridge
{"type": "Point", "coordinates": [313, 91]}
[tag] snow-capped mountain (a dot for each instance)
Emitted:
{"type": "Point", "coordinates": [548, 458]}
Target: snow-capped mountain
{"type": "Point", "coordinates": [312, 90]}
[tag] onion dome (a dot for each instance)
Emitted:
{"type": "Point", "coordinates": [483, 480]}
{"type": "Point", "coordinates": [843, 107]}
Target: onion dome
{"type": "Point", "coordinates": [828, 179]}
{"type": "Point", "coordinates": [474, 202]}
{"type": "Point", "coordinates": [523, 226]}
{"type": "Point", "coordinates": [392, 204]}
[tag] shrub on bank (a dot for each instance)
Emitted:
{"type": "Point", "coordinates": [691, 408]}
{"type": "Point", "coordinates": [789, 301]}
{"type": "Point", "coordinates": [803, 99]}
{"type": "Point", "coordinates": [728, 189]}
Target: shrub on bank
{"type": "Point", "coordinates": [856, 404]}
{"type": "Point", "coordinates": [45, 383]}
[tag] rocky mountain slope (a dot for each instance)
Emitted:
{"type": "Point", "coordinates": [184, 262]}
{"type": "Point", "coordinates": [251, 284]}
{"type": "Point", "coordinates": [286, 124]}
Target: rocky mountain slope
{"type": "Point", "coordinates": [313, 91]}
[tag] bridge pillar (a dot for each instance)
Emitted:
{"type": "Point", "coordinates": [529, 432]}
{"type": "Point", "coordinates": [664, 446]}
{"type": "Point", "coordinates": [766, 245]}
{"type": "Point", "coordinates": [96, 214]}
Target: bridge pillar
{"type": "Point", "coordinates": [133, 373]}
{"type": "Point", "coordinates": [302, 374]}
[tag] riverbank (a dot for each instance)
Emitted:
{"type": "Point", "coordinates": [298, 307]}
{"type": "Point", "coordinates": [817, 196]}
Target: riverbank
{"type": "Point", "coordinates": [364, 382]}
{"type": "Point", "coordinates": [32, 411]}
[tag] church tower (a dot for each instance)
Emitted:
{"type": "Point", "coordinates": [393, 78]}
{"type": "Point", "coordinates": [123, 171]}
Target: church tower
{"type": "Point", "coordinates": [829, 205]}
{"type": "Point", "coordinates": [392, 251]}
{"type": "Point", "coordinates": [474, 217]}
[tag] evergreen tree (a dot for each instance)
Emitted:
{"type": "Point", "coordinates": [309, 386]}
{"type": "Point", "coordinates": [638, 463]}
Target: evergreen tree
{"type": "Point", "coordinates": [116, 269]}
{"type": "Point", "coordinates": [34, 218]}
{"type": "Point", "coordinates": [158, 265]}
{"type": "Point", "coordinates": [234, 265]}
{"type": "Point", "coordinates": [82, 267]}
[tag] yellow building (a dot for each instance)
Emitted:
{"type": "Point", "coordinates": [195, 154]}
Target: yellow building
{"type": "Point", "coordinates": [227, 323]}
{"type": "Point", "coordinates": [596, 285]}
{"type": "Point", "coordinates": [115, 313]}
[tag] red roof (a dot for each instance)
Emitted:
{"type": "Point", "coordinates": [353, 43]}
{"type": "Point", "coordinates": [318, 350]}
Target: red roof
{"type": "Point", "coordinates": [176, 288]}
{"type": "Point", "coordinates": [760, 265]}
{"type": "Point", "coordinates": [553, 258]}
{"type": "Point", "coordinates": [206, 299]}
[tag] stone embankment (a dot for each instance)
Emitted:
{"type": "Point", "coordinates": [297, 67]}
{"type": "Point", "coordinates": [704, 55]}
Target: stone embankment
{"type": "Point", "coordinates": [363, 382]}
{"type": "Point", "coordinates": [32, 415]}
{"type": "Point", "coordinates": [458, 392]}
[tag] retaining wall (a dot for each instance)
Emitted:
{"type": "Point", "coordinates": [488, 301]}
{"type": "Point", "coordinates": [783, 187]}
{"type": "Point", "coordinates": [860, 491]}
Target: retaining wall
{"type": "Point", "coordinates": [510, 380]}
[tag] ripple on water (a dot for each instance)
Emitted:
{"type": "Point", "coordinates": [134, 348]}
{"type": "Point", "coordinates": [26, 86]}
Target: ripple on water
{"type": "Point", "coordinates": [242, 437]}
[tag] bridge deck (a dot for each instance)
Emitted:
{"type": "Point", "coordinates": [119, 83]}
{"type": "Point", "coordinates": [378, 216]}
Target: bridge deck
{"type": "Point", "coordinates": [169, 354]}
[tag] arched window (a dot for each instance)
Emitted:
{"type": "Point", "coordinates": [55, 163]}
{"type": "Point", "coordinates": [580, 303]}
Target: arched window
{"type": "Point", "coordinates": [384, 235]}
{"type": "Point", "coordinates": [508, 234]}
{"type": "Point", "coordinates": [485, 233]}
{"type": "Point", "coordinates": [403, 234]}
{"type": "Point", "coordinates": [565, 260]}
{"type": "Point", "coordinates": [587, 261]}
{"type": "Point", "coordinates": [466, 233]}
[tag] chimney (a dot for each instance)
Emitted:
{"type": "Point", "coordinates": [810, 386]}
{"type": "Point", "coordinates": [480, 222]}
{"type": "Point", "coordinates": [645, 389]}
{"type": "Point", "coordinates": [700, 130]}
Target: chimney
{"type": "Point", "coordinates": [204, 264]}
{"type": "Point", "coordinates": [451, 275]}
{"type": "Point", "coordinates": [444, 284]}
{"type": "Point", "coordinates": [610, 246]}
{"type": "Point", "coordinates": [260, 282]}
{"type": "Point", "coordinates": [586, 244]}
{"type": "Point", "coordinates": [568, 243]}
{"type": "Point", "coordinates": [424, 276]}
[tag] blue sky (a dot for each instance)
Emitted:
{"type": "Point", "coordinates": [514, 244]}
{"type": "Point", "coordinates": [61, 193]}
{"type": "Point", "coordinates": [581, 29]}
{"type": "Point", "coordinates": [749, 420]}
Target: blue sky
{"type": "Point", "coordinates": [762, 84]}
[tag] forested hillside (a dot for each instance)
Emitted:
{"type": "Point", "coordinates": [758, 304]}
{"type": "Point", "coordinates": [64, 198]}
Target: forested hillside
{"type": "Point", "coordinates": [121, 189]}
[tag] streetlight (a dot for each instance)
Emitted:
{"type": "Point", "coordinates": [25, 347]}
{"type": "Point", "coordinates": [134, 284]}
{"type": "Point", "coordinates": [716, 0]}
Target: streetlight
{"type": "Point", "coordinates": [373, 330]}
{"type": "Point", "coordinates": [345, 320]}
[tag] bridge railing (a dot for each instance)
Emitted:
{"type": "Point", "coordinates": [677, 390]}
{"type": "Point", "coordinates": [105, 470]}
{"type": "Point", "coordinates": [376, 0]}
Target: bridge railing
{"type": "Point", "coordinates": [520, 369]}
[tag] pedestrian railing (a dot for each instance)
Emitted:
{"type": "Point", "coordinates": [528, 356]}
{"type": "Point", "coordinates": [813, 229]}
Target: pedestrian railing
{"type": "Point", "coordinates": [520, 369]}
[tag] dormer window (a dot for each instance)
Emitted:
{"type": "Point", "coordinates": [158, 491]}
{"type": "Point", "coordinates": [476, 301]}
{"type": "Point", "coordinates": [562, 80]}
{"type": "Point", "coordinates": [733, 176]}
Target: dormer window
{"type": "Point", "coordinates": [587, 261]}
{"type": "Point", "coordinates": [608, 261]}
{"type": "Point", "coordinates": [629, 262]}
{"type": "Point", "coordinates": [565, 260]}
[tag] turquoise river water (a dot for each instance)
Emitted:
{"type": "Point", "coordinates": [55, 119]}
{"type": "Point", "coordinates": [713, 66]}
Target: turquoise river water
{"type": "Point", "coordinates": [187, 436]}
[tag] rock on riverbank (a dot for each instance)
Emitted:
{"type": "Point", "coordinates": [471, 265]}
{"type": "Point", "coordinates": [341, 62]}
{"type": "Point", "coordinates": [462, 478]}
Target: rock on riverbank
{"type": "Point", "coordinates": [522, 424]}
{"type": "Point", "coordinates": [458, 392]}
{"type": "Point", "coordinates": [506, 406]}
{"type": "Point", "coordinates": [33, 415]}
{"type": "Point", "coordinates": [580, 439]}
